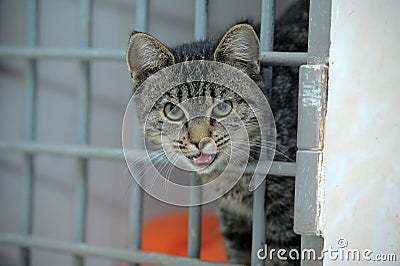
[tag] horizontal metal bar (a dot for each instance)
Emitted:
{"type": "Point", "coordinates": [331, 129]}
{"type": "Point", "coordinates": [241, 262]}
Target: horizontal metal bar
{"type": "Point", "coordinates": [283, 169]}
{"type": "Point", "coordinates": [67, 150]}
{"type": "Point", "coordinates": [266, 58]}
{"type": "Point", "coordinates": [277, 168]}
{"type": "Point", "coordinates": [111, 253]}
{"type": "Point", "coordinates": [283, 58]}
{"type": "Point", "coordinates": [62, 53]}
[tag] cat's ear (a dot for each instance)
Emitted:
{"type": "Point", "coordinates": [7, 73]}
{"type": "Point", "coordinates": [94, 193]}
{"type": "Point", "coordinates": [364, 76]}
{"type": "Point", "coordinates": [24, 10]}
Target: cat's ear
{"type": "Point", "coordinates": [146, 55]}
{"type": "Point", "coordinates": [239, 47]}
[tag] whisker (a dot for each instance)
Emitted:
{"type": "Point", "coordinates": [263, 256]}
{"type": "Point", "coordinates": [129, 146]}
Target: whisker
{"type": "Point", "coordinates": [144, 169]}
{"type": "Point", "coordinates": [159, 170]}
{"type": "Point", "coordinates": [262, 145]}
{"type": "Point", "coordinates": [169, 172]}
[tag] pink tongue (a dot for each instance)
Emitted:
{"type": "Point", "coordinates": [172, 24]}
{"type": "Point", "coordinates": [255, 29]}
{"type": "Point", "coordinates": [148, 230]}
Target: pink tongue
{"type": "Point", "coordinates": [202, 158]}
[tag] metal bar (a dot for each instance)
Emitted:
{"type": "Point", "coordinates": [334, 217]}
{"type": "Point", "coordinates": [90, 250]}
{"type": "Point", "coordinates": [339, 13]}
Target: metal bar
{"type": "Point", "coordinates": [267, 41]}
{"type": "Point", "coordinates": [319, 31]}
{"type": "Point", "coordinates": [307, 202]}
{"type": "Point", "coordinates": [313, 84]}
{"type": "Point", "coordinates": [194, 220]}
{"type": "Point", "coordinates": [80, 207]}
{"type": "Point", "coordinates": [30, 128]}
{"type": "Point", "coordinates": [195, 211]}
{"type": "Point", "coordinates": [136, 195]}
{"type": "Point", "coordinates": [142, 15]}
{"type": "Point", "coordinates": [81, 181]}
{"type": "Point", "coordinates": [312, 106]}
{"type": "Point", "coordinates": [135, 216]}
{"type": "Point", "coordinates": [283, 169]}
{"type": "Point", "coordinates": [57, 53]}
{"type": "Point", "coordinates": [258, 228]}
{"type": "Point", "coordinates": [259, 196]}
{"type": "Point", "coordinates": [266, 58]}
{"type": "Point", "coordinates": [267, 25]}
{"type": "Point", "coordinates": [283, 58]}
{"type": "Point", "coordinates": [315, 243]}
{"type": "Point", "coordinates": [110, 253]}
{"type": "Point", "coordinates": [277, 168]}
{"type": "Point", "coordinates": [201, 19]}
{"type": "Point", "coordinates": [68, 150]}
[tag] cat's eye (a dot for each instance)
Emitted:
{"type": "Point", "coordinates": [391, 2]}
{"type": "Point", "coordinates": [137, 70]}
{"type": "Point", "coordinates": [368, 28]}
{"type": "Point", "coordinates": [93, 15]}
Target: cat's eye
{"type": "Point", "coordinates": [222, 109]}
{"type": "Point", "coordinates": [173, 112]}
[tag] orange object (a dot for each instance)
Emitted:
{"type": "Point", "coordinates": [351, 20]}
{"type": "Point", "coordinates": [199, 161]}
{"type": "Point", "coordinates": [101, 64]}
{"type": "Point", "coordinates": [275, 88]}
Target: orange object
{"type": "Point", "coordinates": [168, 234]}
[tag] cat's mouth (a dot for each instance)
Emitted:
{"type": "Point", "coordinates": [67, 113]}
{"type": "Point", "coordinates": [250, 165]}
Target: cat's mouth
{"type": "Point", "coordinates": [202, 159]}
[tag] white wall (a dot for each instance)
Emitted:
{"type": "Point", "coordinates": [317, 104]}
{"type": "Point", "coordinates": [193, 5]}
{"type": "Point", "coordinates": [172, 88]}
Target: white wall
{"type": "Point", "coordinates": [362, 147]}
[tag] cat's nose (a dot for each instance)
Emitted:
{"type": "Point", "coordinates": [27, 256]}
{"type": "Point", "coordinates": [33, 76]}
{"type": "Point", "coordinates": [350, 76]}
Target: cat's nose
{"type": "Point", "coordinates": [203, 142]}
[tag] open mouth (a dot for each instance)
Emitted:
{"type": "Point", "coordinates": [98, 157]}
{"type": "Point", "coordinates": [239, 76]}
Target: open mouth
{"type": "Point", "coordinates": [202, 158]}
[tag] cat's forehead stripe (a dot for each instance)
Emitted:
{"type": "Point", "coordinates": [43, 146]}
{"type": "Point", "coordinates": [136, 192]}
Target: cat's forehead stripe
{"type": "Point", "coordinates": [179, 94]}
{"type": "Point", "coordinates": [201, 90]}
{"type": "Point", "coordinates": [189, 92]}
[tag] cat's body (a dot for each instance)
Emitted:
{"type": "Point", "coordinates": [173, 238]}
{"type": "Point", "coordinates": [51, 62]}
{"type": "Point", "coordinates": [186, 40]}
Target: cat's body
{"type": "Point", "coordinates": [238, 47]}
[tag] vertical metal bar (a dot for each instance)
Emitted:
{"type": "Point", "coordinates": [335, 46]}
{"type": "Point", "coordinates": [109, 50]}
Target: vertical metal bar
{"type": "Point", "coordinates": [267, 39]}
{"type": "Point", "coordinates": [30, 122]}
{"type": "Point", "coordinates": [135, 216]}
{"type": "Point", "coordinates": [319, 32]}
{"type": "Point", "coordinates": [136, 199]}
{"type": "Point", "coordinates": [201, 19]}
{"type": "Point", "coordinates": [310, 138]}
{"type": "Point", "coordinates": [136, 196]}
{"type": "Point", "coordinates": [267, 25]}
{"type": "Point", "coordinates": [81, 182]}
{"type": "Point", "coordinates": [141, 15]}
{"type": "Point", "coordinates": [194, 240]}
{"type": "Point", "coordinates": [258, 229]}
{"type": "Point", "coordinates": [312, 243]}
{"type": "Point", "coordinates": [266, 44]}
{"type": "Point", "coordinates": [194, 236]}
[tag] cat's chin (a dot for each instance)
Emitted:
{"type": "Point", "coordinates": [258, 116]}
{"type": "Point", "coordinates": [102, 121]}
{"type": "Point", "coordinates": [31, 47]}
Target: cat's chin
{"type": "Point", "coordinates": [206, 170]}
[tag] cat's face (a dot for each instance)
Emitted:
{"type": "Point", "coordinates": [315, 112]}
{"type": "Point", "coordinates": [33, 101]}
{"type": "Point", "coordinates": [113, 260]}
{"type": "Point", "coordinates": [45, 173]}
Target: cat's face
{"type": "Point", "coordinates": [201, 132]}
{"type": "Point", "coordinates": [199, 125]}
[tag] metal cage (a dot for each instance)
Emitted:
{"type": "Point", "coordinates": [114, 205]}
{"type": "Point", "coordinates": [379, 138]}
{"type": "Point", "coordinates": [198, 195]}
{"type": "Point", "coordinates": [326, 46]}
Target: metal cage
{"type": "Point", "coordinates": [310, 135]}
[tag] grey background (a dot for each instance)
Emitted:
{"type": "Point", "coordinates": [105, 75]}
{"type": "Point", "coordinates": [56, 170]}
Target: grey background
{"type": "Point", "coordinates": [171, 21]}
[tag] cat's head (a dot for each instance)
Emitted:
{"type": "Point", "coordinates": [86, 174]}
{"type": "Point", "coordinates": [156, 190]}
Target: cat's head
{"type": "Point", "coordinates": [199, 111]}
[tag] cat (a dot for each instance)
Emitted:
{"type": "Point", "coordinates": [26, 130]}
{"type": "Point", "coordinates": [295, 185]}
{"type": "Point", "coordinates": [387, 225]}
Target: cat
{"type": "Point", "coordinates": [238, 47]}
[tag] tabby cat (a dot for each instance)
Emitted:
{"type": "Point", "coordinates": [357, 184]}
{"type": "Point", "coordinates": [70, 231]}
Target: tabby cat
{"type": "Point", "coordinates": [203, 142]}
